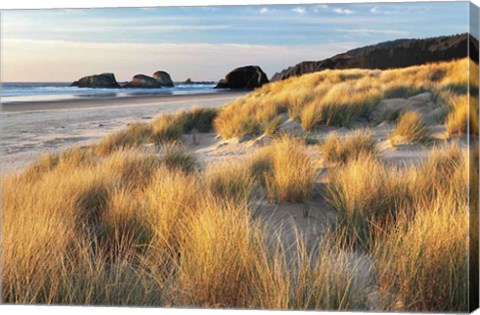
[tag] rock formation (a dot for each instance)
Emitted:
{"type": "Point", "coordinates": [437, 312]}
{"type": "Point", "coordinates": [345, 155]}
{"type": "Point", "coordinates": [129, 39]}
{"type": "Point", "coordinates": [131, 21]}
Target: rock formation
{"type": "Point", "coordinates": [143, 81]}
{"type": "Point", "coordinates": [163, 78]}
{"type": "Point", "coordinates": [189, 81]}
{"type": "Point", "coordinates": [104, 80]}
{"type": "Point", "coordinates": [248, 77]}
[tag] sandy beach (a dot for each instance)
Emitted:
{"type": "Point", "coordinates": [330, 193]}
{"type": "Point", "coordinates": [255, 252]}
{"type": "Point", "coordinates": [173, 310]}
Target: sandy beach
{"type": "Point", "coordinates": [31, 129]}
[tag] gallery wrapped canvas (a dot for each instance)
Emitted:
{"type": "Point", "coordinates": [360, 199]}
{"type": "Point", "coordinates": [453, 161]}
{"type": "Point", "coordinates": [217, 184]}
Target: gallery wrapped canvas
{"type": "Point", "coordinates": [275, 157]}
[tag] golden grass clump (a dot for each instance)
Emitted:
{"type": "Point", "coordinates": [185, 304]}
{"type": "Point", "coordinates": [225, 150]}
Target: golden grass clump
{"type": "Point", "coordinates": [171, 198]}
{"type": "Point", "coordinates": [198, 119]}
{"type": "Point", "coordinates": [68, 159]}
{"type": "Point", "coordinates": [410, 128]}
{"type": "Point", "coordinates": [268, 117]}
{"type": "Point", "coordinates": [219, 260]}
{"type": "Point", "coordinates": [230, 180]}
{"type": "Point", "coordinates": [345, 103]}
{"type": "Point", "coordinates": [297, 102]}
{"type": "Point", "coordinates": [177, 156]}
{"type": "Point", "coordinates": [167, 128]}
{"type": "Point", "coordinates": [310, 117]}
{"type": "Point", "coordinates": [271, 127]}
{"type": "Point", "coordinates": [132, 167]}
{"type": "Point", "coordinates": [368, 195]}
{"type": "Point", "coordinates": [233, 122]}
{"type": "Point", "coordinates": [365, 195]}
{"type": "Point", "coordinates": [447, 161]}
{"type": "Point", "coordinates": [134, 135]}
{"type": "Point", "coordinates": [338, 150]}
{"type": "Point", "coordinates": [333, 263]}
{"type": "Point", "coordinates": [426, 256]}
{"type": "Point", "coordinates": [50, 212]}
{"type": "Point", "coordinates": [46, 163]}
{"type": "Point", "coordinates": [260, 164]}
{"type": "Point", "coordinates": [464, 114]}
{"type": "Point", "coordinates": [123, 226]}
{"type": "Point", "coordinates": [293, 172]}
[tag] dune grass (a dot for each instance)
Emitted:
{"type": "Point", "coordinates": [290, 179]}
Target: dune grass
{"type": "Point", "coordinates": [337, 97]}
{"type": "Point", "coordinates": [230, 180]}
{"type": "Point", "coordinates": [134, 135]}
{"type": "Point", "coordinates": [166, 128]}
{"type": "Point", "coordinates": [365, 195]}
{"type": "Point", "coordinates": [177, 156]}
{"type": "Point", "coordinates": [122, 224]}
{"type": "Point", "coordinates": [69, 158]}
{"type": "Point", "coordinates": [340, 150]}
{"type": "Point", "coordinates": [368, 194]}
{"type": "Point", "coordinates": [163, 129]}
{"type": "Point", "coordinates": [217, 265]}
{"type": "Point", "coordinates": [198, 119]}
{"type": "Point", "coordinates": [310, 117]}
{"type": "Point", "coordinates": [430, 249]}
{"type": "Point", "coordinates": [415, 225]}
{"type": "Point", "coordinates": [286, 170]}
{"type": "Point", "coordinates": [111, 237]}
{"type": "Point", "coordinates": [464, 117]}
{"type": "Point", "coordinates": [271, 127]}
{"type": "Point", "coordinates": [116, 238]}
{"type": "Point", "coordinates": [230, 124]}
{"type": "Point", "coordinates": [410, 128]}
{"type": "Point", "coordinates": [423, 263]}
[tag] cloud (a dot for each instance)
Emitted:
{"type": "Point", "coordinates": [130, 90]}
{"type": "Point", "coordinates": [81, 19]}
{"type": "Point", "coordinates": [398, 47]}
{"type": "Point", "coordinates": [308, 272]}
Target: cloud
{"type": "Point", "coordinates": [167, 28]}
{"type": "Point", "coordinates": [377, 10]}
{"type": "Point", "coordinates": [26, 60]}
{"type": "Point", "coordinates": [367, 31]}
{"type": "Point", "coordinates": [299, 10]}
{"type": "Point", "coordinates": [131, 27]}
{"type": "Point", "coordinates": [342, 11]}
{"type": "Point", "coordinates": [264, 10]}
{"type": "Point", "coordinates": [319, 7]}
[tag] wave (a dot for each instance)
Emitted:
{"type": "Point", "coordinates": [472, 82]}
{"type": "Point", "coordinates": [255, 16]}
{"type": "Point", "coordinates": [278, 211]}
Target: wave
{"type": "Point", "coordinates": [15, 90]}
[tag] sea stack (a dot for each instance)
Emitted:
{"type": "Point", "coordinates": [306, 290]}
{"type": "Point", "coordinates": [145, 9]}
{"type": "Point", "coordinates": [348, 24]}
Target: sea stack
{"type": "Point", "coordinates": [143, 81]}
{"type": "Point", "coordinates": [248, 77]}
{"type": "Point", "coordinates": [104, 80]}
{"type": "Point", "coordinates": [163, 78]}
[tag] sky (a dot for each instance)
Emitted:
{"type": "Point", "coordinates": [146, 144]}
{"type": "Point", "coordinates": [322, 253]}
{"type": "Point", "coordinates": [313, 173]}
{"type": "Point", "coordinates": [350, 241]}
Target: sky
{"type": "Point", "coordinates": [205, 43]}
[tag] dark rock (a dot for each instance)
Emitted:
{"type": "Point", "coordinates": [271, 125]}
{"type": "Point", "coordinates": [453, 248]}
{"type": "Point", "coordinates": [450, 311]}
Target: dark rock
{"type": "Point", "coordinates": [163, 78]}
{"type": "Point", "coordinates": [392, 54]}
{"type": "Point", "coordinates": [189, 81]}
{"type": "Point", "coordinates": [144, 82]}
{"type": "Point", "coordinates": [104, 80]}
{"type": "Point", "coordinates": [248, 77]}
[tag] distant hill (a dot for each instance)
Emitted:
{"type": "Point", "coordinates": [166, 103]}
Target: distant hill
{"type": "Point", "coordinates": [392, 54]}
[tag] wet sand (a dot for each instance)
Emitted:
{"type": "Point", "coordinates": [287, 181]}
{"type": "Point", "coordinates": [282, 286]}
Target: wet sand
{"type": "Point", "coordinates": [29, 130]}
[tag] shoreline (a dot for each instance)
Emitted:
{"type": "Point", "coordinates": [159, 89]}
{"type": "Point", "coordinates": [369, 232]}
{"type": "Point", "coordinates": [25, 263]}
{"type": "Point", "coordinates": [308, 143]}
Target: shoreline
{"type": "Point", "coordinates": [32, 129]}
{"type": "Point", "coordinates": [99, 101]}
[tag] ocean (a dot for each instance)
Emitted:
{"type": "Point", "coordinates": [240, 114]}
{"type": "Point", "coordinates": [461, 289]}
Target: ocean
{"type": "Point", "coordinates": [11, 92]}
